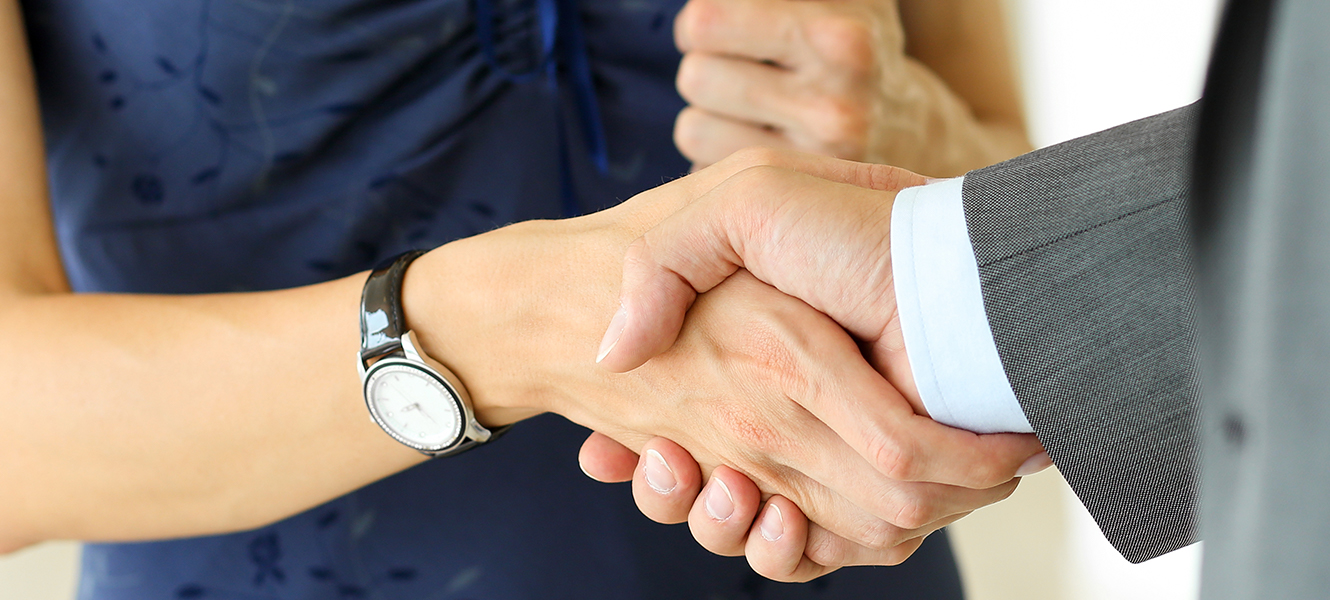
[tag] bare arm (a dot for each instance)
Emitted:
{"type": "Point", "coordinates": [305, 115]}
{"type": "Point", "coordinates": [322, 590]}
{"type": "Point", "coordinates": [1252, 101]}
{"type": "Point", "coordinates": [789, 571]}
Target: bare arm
{"type": "Point", "coordinates": [136, 417]}
{"type": "Point", "coordinates": [964, 46]}
{"type": "Point", "coordinates": [27, 239]}
{"type": "Point", "coordinates": [131, 417]}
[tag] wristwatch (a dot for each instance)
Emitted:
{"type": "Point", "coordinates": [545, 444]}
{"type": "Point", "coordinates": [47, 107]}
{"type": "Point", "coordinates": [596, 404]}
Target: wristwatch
{"type": "Point", "coordinates": [411, 396]}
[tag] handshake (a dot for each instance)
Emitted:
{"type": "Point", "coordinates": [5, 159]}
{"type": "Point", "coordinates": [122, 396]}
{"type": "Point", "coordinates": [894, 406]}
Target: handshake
{"type": "Point", "coordinates": [768, 278]}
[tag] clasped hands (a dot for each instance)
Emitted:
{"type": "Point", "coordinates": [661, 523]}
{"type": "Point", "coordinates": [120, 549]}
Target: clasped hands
{"type": "Point", "coordinates": [754, 378]}
{"type": "Point", "coordinates": [844, 467]}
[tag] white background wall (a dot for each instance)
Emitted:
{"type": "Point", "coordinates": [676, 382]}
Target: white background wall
{"type": "Point", "coordinates": [1087, 65]}
{"type": "Point", "coordinates": [1092, 64]}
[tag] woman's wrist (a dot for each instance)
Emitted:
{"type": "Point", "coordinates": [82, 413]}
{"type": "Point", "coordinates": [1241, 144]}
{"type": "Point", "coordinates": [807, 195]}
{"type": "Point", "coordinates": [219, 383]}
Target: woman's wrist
{"type": "Point", "coordinates": [512, 311]}
{"type": "Point", "coordinates": [457, 299]}
{"type": "Point", "coordinates": [930, 130]}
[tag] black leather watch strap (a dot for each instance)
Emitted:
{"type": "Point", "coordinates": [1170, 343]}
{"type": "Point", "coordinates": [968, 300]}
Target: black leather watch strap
{"type": "Point", "coordinates": [381, 322]}
{"type": "Point", "coordinates": [469, 444]}
{"type": "Point", "coordinates": [382, 326]}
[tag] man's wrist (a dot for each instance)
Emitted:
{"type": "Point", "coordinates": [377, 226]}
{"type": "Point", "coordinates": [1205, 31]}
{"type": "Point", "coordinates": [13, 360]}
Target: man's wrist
{"type": "Point", "coordinates": [949, 343]}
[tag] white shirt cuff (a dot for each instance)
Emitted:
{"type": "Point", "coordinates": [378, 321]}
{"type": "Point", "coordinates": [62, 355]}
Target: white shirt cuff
{"type": "Point", "coordinates": [947, 337]}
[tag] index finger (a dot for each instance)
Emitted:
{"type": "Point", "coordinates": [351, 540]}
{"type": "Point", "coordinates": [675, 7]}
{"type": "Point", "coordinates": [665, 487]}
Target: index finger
{"type": "Point", "coordinates": [653, 206]}
{"type": "Point", "coordinates": [759, 30]}
{"type": "Point", "coordinates": [837, 170]}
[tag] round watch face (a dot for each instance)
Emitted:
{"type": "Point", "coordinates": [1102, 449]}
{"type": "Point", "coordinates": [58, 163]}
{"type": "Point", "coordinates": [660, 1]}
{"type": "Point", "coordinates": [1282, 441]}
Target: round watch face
{"type": "Point", "coordinates": [415, 406]}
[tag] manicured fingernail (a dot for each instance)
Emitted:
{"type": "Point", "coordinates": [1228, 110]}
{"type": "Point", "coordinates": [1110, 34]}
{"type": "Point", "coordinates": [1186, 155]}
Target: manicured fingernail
{"type": "Point", "coordinates": [1034, 464]}
{"type": "Point", "coordinates": [659, 475]}
{"type": "Point", "coordinates": [719, 503]}
{"type": "Point", "coordinates": [584, 471]}
{"type": "Point", "coordinates": [772, 524]}
{"type": "Point", "coordinates": [612, 334]}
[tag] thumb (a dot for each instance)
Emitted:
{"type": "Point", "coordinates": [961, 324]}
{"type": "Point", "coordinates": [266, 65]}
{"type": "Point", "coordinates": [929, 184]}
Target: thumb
{"type": "Point", "coordinates": [663, 273]}
{"type": "Point", "coordinates": [703, 243]}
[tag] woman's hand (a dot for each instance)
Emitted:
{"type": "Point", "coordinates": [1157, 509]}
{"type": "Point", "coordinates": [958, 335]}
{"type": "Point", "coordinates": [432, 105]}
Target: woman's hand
{"type": "Point", "coordinates": [836, 77]}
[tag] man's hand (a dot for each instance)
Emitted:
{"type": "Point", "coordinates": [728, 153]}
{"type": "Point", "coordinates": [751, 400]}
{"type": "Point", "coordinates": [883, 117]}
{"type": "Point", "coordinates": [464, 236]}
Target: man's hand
{"type": "Point", "coordinates": [826, 243]}
{"type": "Point", "coordinates": [829, 77]}
{"type": "Point", "coordinates": [731, 516]}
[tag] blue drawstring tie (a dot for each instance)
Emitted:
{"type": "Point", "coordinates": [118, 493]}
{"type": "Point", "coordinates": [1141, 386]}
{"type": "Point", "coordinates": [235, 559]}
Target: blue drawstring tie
{"type": "Point", "coordinates": [562, 44]}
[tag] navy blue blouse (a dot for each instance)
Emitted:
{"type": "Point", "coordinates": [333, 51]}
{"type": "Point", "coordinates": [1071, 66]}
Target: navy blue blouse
{"type": "Point", "coordinates": [229, 145]}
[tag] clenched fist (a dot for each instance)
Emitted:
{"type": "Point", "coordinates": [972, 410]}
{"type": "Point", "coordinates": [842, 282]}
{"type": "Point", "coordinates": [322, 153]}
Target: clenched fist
{"type": "Point", "coordinates": [836, 77]}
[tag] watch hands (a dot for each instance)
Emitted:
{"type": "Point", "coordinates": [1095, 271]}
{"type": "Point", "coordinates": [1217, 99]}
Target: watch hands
{"type": "Point", "coordinates": [416, 407]}
{"type": "Point", "coordinates": [413, 407]}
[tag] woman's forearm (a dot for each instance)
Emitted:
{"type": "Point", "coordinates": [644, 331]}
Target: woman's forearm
{"type": "Point", "coordinates": [144, 417]}
{"type": "Point", "coordinates": [140, 417]}
{"type": "Point", "coordinates": [962, 64]}
{"type": "Point", "coordinates": [931, 130]}
{"type": "Point", "coordinates": [134, 417]}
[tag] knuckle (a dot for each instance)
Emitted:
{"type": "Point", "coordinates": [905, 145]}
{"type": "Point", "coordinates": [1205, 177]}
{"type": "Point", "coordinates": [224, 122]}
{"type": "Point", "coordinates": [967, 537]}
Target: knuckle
{"type": "Point", "coordinates": [689, 134]}
{"type": "Point", "coordinates": [840, 122]}
{"type": "Point", "coordinates": [878, 535]}
{"type": "Point", "coordinates": [912, 513]}
{"type": "Point", "coordinates": [639, 255]}
{"type": "Point", "coordinates": [759, 159]}
{"type": "Point", "coordinates": [893, 456]}
{"type": "Point", "coordinates": [753, 196]}
{"type": "Point", "coordinates": [769, 350]}
{"type": "Point", "coordinates": [695, 21]}
{"type": "Point", "coordinates": [987, 474]}
{"type": "Point", "coordinates": [826, 550]}
{"type": "Point", "coordinates": [762, 189]}
{"type": "Point", "coordinates": [887, 177]}
{"type": "Point", "coordinates": [845, 41]}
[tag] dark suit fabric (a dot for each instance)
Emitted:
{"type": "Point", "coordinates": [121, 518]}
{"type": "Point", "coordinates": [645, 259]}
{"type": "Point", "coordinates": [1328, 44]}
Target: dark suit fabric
{"type": "Point", "coordinates": [1085, 259]}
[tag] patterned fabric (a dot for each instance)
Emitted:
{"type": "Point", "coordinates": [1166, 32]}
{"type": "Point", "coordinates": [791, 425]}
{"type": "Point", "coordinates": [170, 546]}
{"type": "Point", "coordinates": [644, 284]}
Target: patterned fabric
{"type": "Point", "coordinates": [227, 145]}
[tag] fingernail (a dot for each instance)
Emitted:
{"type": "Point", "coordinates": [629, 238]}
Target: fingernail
{"type": "Point", "coordinates": [719, 503]}
{"type": "Point", "coordinates": [613, 333]}
{"type": "Point", "coordinates": [772, 524]}
{"type": "Point", "coordinates": [1034, 464]}
{"type": "Point", "coordinates": [659, 475]}
{"type": "Point", "coordinates": [584, 471]}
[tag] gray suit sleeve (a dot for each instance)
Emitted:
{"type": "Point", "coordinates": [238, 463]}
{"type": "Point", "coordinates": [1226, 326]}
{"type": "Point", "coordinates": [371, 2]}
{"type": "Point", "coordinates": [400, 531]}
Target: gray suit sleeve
{"type": "Point", "coordinates": [1086, 271]}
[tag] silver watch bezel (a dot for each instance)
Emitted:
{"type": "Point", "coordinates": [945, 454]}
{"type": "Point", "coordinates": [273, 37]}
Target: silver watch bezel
{"type": "Point", "coordinates": [422, 370]}
{"type": "Point", "coordinates": [412, 358]}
